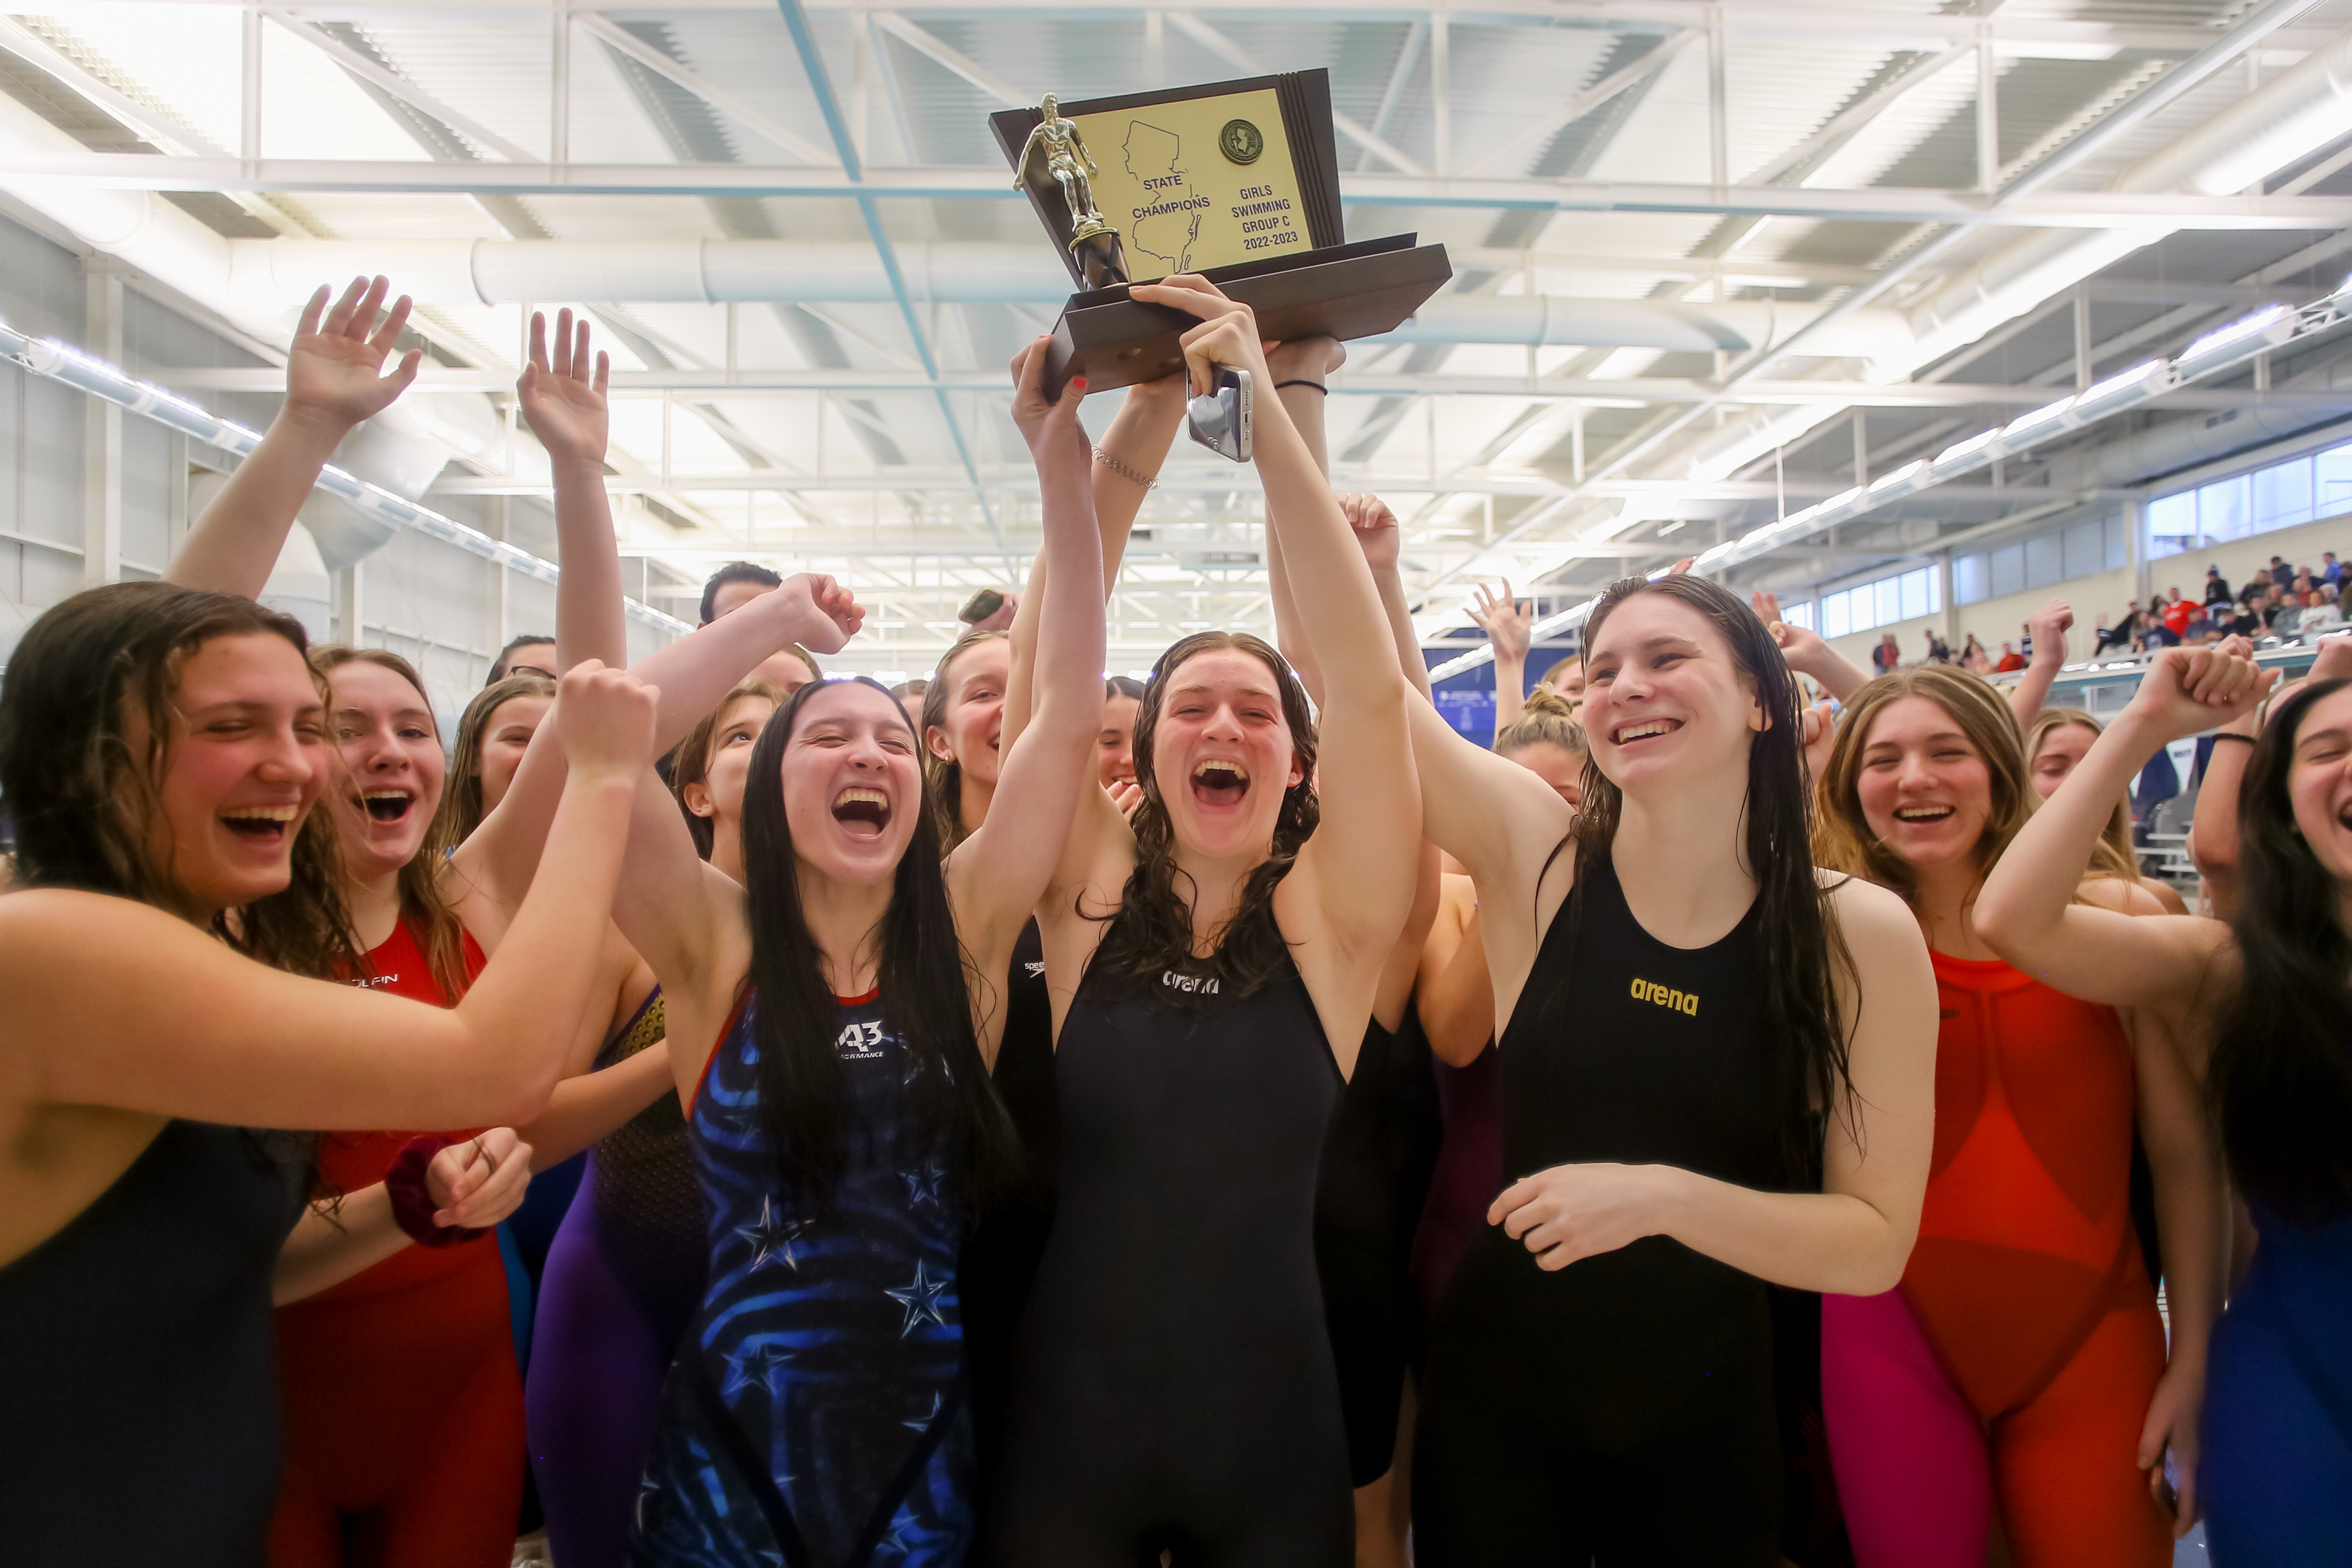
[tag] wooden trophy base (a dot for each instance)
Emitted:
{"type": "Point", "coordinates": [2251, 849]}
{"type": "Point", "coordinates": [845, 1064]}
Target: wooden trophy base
{"type": "Point", "coordinates": [1340, 291]}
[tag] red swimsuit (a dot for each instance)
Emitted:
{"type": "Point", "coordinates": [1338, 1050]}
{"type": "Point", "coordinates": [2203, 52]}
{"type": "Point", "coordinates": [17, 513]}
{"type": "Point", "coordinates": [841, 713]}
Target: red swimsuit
{"type": "Point", "coordinates": [404, 1409]}
{"type": "Point", "coordinates": [2014, 1365]}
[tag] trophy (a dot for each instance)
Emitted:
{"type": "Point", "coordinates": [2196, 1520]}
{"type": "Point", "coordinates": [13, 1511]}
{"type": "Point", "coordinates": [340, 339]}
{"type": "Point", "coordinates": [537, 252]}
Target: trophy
{"type": "Point", "coordinates": [1081, 229]}
{"type": "Point", "coordinates": [1237, 181]}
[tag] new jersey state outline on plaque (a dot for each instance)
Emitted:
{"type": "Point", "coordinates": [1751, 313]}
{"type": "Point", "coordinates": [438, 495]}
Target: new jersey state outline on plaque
{"type": "Point", "coordinates": [1175, 182]}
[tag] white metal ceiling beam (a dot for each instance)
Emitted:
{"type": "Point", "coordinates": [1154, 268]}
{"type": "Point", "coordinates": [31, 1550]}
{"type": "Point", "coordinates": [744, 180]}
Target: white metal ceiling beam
{"type": "Point", "coordinates": [1515, 148]}
{"type": "Point", "coordinates": [940, 51]}
{"type": "Point", "coordinates": [1217, 44]}
{"type": "Point", "coordinates": [1889, 205]}
{"type": "Point", "coordinates": [400, 88]}
{"type": "Point", "coordinates": [723, 385]}
{"type": "Point", "coordinates": [1842, 128]}
{"type": "Point", "coordinates": [1859, 26]}
{"type": "Point", "coordinates": [621, 41]}
{"type": "Point", "coordinates": [134, 116]}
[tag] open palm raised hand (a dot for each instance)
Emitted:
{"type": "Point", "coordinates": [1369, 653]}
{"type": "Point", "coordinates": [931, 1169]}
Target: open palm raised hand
{"type": "Point", "coordinates": [334, 368]}
{"type": "Point", "coordinates": [562, 402]}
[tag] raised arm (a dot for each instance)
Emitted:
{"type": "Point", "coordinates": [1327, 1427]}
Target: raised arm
{"type": "Point", "coordinates": [1296, 376]}
{"type": "Point", "coordinates": [1370, 800]}
{"type": "Point", "coordinates": [333, 381]}
{"type": "Point", "coordinates": [1456, 995]}
{"type": "Point", "coordinates": [563, 403]}
{"type": "Point", "coordinates": [997, 876]}
{"type": "Point", "coordinates": [2049, 625]}
{"type": "Point", "coordinates": [1125, 467]}
{"type": "Point", "coordinates": [691, 676]}
{"type": "Point", "coordinates": [1509, 625]}
{"type": "Point", "coordinates": [2028, 911]}
{"type": "Point", "coordinates": [98, 987]}
{"type": "Point", "coordinates": [1807, 654]}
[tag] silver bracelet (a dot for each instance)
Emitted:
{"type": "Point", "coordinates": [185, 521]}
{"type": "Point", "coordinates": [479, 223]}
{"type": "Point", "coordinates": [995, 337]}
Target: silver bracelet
{"type": "Point", "coordinates": [1131, 475]}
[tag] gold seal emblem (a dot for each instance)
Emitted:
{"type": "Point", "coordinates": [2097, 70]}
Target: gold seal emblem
{"type": "Point", "coordinates": [1240, 141]}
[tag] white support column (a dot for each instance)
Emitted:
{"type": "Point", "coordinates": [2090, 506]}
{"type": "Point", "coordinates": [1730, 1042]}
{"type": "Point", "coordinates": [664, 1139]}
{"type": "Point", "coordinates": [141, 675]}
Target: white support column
{"type": "Point", "coordinates": [558, 88]}
{"type": "Point", "coordinates": [1718, 104]}
{"type": "Point", "coordinates": [101, 440]}
{"type": "Point", "coordinates": [175, 495]}
{"type": "Point", "coordinates": [1862, 445]}
{"type": "Point", "coordinates": [250, 117]}
{"type": "Point", "coordinates": [2085, 365]}
{"type": "Point", "coordinates": [2136, 547]}
{"type": "Point", "coordinates": [347, 604]}
{"type": "Point", "coordinates": [1441, 89]}
{"type": "Point", "coordinates": [1988, 113]}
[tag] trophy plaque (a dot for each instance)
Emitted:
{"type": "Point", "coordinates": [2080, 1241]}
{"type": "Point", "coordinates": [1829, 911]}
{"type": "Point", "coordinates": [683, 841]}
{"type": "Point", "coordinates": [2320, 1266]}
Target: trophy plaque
{"type": "Point", "coordinates": [1237, 181]}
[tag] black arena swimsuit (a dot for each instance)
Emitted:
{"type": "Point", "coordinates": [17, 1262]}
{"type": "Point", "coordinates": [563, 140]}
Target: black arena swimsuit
{"type": "Point", "coordinates": [1175, 1388]}
{"type": "Point", "coordinates": [1621, 1409]}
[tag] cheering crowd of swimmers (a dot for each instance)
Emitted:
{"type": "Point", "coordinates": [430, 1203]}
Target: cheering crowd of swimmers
{"type": "Point", "coordinates": [1229, 1120]}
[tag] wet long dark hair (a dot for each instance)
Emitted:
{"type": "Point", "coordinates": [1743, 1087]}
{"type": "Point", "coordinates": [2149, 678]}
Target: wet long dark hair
{"type": "Point", "coordinates": [1151, 932]}
{"type": "Point", "coordinates": [2281, 1080]}
{"type": "Point", "coordinates": [83, 796]}
{"type": "Point", "coordinates": [926, 981]}
{"type": "Point", "coordinates": [1800, 953]}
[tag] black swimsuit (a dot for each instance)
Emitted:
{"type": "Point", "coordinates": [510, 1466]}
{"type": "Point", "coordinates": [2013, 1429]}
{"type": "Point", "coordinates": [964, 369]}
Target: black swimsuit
{"type": "Point", "coordinates": [1376, 1163]}
{"type": "Point", "coordinates": [1175, 1387]}
{"type": "Point", "coordinates": [1621, 1408]}
{"type": "Point", "coordinates": [139, 1417]}
{"type": "Point", "coordinates": [1001, 1258]}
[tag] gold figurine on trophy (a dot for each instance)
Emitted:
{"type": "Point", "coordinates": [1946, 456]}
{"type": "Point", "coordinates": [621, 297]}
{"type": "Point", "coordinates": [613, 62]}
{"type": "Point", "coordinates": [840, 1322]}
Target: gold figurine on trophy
{"type": "Point", "coordinates": [1094, 242]}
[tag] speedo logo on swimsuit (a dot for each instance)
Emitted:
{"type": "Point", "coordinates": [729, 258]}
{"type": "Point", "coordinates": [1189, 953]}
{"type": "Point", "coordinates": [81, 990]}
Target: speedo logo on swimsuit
{"type": "Point", "coordinates": [1204, 984]}
{"type": "Point", "coordinates": [1680, 1000]}
{"type": "Point", "coordinates": [860, 1042]}
{"type": "Point", "coordinates": [1036, 970]}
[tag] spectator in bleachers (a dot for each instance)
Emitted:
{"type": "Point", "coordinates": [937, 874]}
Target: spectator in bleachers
{"type": "Point", "coordinates": [1938, 650]}
{"type": "Point", "coordinates": [2010, 660]}
{"type": "Point", "coordinates": [2217, 592]}
{"type": "Point", "coordinates": [1973, 657]}
{"type": "Point", "coordinates": [2241, 622]}
{"type": "Point", "coordinates": [2281, 573]}
{"type": "Point", "coordinates": [2331, 569]}
{"type": "Point", "coordinates": [1886, 658]}
{"type": "Point", "coordinates": [2177, 612]}
{"type": "Point", "coordinates": [2317, 612]}
{"type": "Point", "coordinates": [2121, 634]}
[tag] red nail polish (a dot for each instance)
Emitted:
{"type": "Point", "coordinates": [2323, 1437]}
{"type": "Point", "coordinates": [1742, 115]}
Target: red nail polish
{"type": "Point", "coordinates": [1079, 381]}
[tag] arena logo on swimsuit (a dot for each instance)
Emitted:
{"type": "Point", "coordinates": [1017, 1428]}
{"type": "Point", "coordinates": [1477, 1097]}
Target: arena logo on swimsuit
{"type": "Point", "coordinates": [1680, 1000]}
{"type": "Point", "coordinates": [1203, 983]}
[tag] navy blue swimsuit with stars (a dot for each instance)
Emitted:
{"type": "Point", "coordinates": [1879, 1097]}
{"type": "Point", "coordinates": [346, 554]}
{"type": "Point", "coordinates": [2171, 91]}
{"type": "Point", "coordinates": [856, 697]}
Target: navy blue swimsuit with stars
{"type": "Point", "coordinates": [816, 1415]}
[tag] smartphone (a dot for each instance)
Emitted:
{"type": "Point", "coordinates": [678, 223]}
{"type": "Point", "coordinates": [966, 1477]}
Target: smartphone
{"type": "Point", "coordinates": [980, 605]}
{"type": "Point", "coordinates": [1221, 420]}
{"type": "Point", "coordinates": [2168, 1486]}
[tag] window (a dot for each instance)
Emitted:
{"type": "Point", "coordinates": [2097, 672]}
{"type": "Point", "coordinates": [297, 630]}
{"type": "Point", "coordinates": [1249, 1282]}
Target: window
{"type": "Point", "coordinates": [2221, 510]}
{"type": "Point", "coordinates": [2171, 524]}
{"type": "Point", "coordinates": [2084, 548]}
{"type": "Point", "coordinates": [1971, 579]}
{"type": "Point", "coordinates": [1866, 606]}
{"type": "Point", "coordinates": [2282, 496]}
{"type": "Point", "coordinates": [1836, 621]}
{"type": "Point", "coordinates": [2042, 562]}
{"type": "Point", "coordinates": [2331, 474]}
{"type": "Point", "coordinates": [1797, 616]}
{"type": "Point", "coordinates": [2009, 569]}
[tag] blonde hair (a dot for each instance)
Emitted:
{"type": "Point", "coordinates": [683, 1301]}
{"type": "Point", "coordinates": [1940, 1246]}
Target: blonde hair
{"type": "Point", "coordinates": [2116, 856]}
{"type": "Point", "coordinates": [1841, 837]}
{"type": "Point", "coordinates": [690, 763]}
{"type": "Point", "coordinates": [1551, 680]}
{"type": "Point", "coordinates": [1545, 719]}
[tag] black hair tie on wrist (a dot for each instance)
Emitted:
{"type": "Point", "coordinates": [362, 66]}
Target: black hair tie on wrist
{"type": "Point", "coordinates": [1316, 384]}
{"type": "Point", "coordinates": [2231, 735]}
